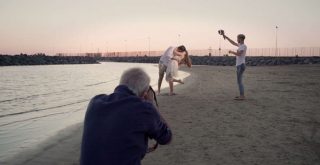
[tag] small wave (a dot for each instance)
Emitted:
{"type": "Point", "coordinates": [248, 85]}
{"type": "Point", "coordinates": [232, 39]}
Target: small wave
{"type": "Point", "coordinates": [95, 84]}
{"type": "Point", "coordinates": [38, 117]}
{"type": "Point", "coordinates": [32, 96]}
{"type": "Point", "coordinates": [43, 109]}
{"type": "Point", "coordinates": [50, 93]}
{"type": "Point", "coordinates": [104, 82]}
{"type": "Point", "coordinates": [19, 98]}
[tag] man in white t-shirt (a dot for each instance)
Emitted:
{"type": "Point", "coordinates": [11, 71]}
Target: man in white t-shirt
{"type": "Point", "coordinates": [240, 61]}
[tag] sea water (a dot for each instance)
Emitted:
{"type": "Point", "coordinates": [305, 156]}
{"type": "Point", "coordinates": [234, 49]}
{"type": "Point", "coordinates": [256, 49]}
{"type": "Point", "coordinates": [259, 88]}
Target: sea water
{"type": "Point", "coordinates": [38, 101]}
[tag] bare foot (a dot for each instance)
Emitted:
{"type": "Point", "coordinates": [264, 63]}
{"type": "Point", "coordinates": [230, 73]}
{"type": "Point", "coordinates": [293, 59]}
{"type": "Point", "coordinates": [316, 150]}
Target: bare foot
{"type": "Point", "coordinates": [180, 81]}
{"type": "Point", "coordinates": [172, 94]}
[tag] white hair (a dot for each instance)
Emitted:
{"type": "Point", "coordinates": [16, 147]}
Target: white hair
{"type": "Point", "coordinates": [136, 79]}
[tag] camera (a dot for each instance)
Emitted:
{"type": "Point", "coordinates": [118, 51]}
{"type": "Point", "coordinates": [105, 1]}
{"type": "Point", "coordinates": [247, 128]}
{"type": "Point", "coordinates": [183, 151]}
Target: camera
{"type": "Point", "coordinates": [221, 32]}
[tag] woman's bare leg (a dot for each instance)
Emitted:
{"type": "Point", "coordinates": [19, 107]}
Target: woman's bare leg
{"type": "Point", "coordinates": [178, 81]}
{"type": "Point", "coordinates": [160, 82]}
{"type": "Point", "coordinates": [171, 87]}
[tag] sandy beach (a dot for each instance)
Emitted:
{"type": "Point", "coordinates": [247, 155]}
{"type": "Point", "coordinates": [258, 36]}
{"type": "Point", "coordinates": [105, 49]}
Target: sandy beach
{"type": "Point", "coordinates": [278, 124]}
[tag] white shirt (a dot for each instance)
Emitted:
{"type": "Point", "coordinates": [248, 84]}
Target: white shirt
{"type": "Point", "coordinates": [167, 55]}
{"type": "Point", "coordinates": [242, 58]}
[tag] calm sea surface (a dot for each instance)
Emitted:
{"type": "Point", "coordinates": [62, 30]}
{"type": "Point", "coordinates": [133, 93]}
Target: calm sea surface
{"type": "Point", "coordinates": [38, 101]}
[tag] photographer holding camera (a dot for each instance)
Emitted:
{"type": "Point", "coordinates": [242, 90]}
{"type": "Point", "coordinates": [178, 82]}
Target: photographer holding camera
{"type": "Point", "coordinates": [117, 126]}
{"type": "Point", "coordinates": [240, 60]}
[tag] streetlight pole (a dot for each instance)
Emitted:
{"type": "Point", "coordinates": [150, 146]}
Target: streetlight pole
{"type": "Point", "coordinates": [179, 43]}
{"type": "Point", "coordinates": [219, 46]}
{"type": "Point", "coordinates": [107, 51]}
{"type": "Point", "coordinates": [125, 45]}
{"type": "Point", "coordinates": [277, 40]}
{"type": "Point", "coordinates": [148, 46]}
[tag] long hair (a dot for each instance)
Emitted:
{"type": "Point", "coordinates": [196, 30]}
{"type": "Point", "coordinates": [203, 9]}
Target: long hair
{"type": "Point", "coordinates": [187, 59]}
{"type": "Point", "coordinates": [182, 48]}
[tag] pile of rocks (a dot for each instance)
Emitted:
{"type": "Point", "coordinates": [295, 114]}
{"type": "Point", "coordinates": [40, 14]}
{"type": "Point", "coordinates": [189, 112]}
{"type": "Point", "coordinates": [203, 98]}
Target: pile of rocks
{"type": "Point", "coordinates": [7, 60]}
{"type": "Point", "coordinates": [225, 60]}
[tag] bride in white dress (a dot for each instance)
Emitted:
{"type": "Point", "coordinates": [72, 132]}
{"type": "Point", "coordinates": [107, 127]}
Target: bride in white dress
{"type": "Point", "coordinates": [180, 56]}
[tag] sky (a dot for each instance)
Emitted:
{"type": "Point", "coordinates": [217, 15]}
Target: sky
{"type": "Point", "coordinates": [73, 26]}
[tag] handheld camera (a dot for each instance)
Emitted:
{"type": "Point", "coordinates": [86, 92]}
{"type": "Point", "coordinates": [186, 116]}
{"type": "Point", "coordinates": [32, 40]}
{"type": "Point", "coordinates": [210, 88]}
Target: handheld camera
{"type": "Point", "coordinates": [221, 32]}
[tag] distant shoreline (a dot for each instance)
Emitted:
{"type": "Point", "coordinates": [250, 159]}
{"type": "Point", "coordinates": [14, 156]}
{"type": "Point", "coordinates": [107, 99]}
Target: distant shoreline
{"type": "Point", "coordinates": [16, 60]}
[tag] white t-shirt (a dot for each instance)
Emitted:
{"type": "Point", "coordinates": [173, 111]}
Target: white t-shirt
{"type": "Point", "coordinates": [242, 58]}
{"type": "Point", "coordinates": [167, 55]}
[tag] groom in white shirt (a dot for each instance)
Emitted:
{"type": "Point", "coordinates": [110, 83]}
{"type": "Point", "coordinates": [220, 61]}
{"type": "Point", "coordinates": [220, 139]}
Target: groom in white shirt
{"type": "Point", "coordinates": [240, 61]}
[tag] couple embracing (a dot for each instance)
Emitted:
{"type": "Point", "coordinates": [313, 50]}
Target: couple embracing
{"type": "Point", "coordinates": [169, 64]}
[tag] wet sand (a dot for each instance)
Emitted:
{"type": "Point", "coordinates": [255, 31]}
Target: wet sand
{"type": "Point", "coordinates": [279, 123]}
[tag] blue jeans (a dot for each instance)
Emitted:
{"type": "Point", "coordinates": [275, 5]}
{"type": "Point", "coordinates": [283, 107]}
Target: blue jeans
{"type": "Point", "coordinates": [240, 69]}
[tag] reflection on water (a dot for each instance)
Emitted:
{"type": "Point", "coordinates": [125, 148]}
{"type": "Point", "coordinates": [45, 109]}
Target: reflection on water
{"type": "Point", "coordinates": [38, 101]}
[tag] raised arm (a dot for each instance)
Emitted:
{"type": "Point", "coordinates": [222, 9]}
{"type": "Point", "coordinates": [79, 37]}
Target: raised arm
{"type": "Point", "coordinates": [151, 97]}
{"type": "Point", "coordinates": [230, 40]}
{"type": "Point", "coordinates": [159, 128]}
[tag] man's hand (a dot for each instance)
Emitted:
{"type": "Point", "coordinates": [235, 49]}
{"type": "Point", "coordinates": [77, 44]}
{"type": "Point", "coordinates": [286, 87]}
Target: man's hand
{"type": "Point", "coordinates": [238, 53]}
{"type": "Point", "coordinates": [150, 96]}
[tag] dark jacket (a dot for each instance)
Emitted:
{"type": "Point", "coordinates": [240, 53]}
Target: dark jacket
{"type": "Point", "coordinates": [117, 128]}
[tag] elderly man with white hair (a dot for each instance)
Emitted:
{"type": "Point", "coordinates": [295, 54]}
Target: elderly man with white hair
{"type": "Point", "coordinates": [117, 126]}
